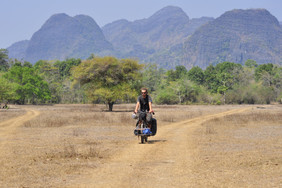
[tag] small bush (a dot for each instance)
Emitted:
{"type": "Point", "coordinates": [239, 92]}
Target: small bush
{"type": "Point", "coordinates": [166, 97]}
{"type": "Point", "coordinates": [251, 94]}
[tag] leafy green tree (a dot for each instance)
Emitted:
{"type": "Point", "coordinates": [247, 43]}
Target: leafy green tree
{"type": "Point", "coordinates": [92, 56]}
{"type": "Point", "coordinates": [7, 90]}
{"type": "Point", "coordinates": [246, 76]}
{"type": "Point", "coordinates": [47, 71]}
{"type": "Point", "coordinates": [4, 66]}
{"type": "Point", "coordinates": [180, 71]}
{"type": "Point", "coordinates": [186, 90]}
{"type": "Point", "coordinates": [254, 93]}
{"type": "Point", "coordinates": [173, 75]}
{"type": "Point", "coordinates": [196, 75]}
{"type": "Point", "coordinates": [205, 96]}
{"type": "Point", "coordinates": [34, 87]}
{"type": "Point", "coordinates": [64, 67]}
{"type": "Point", "coordinates": [277, 78]}
{"type": "Point", "coordinates": [27, 64]}
{"type": "Point", "coordinates": [107, 79]}
{"type": "Point", "coordinates": [166, 96]}
{"type": "Point", "coordinates": [251, 63]}
{"type": "Point", "coordinates": [31, 88]}
{"type": "Point", "coordinates": [278, 73]}
{"type": "Point", "coordinates": [225, 82]}
{"type": "Point", "coordinates": [59, 78]}
{"type": "Point", "coordinates": [229, 67]}
{"type": "Point", "coordinates": [265, 71]}
{"type": "Point", "coordinates": [180, 91]}
{"type": "Point", "coordinates": [51, 75]}
{"type": "Point", "coordinates": [211, 80]}
{"type": "Point", "coordinates": [271, 77]}
{"type": "Point", "coordinates": [223, 76]}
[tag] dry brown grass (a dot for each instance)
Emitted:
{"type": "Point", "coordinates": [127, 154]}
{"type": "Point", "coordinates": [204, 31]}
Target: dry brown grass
{"type": "Point", "coordinates": [6, 114]}
{"type": "Point", "coordinates": [65, 142]}
{"type": "Point", "coordinates": [241, 150]}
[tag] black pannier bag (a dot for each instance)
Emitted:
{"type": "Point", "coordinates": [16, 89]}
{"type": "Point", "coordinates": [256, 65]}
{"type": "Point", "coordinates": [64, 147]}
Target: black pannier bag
{"type": "Point", "coordinates": [154, 127]}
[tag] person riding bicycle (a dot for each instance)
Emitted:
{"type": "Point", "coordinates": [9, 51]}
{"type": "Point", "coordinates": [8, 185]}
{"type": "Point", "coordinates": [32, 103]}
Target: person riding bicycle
{"type": "Point", "coordinates": [144, 101]}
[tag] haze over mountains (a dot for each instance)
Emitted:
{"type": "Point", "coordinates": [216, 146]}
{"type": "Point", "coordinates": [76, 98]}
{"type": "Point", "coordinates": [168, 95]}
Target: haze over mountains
{"type": "Point", "coordinates": [167, 38]}
{"type": "Point", "coordinates": [236, 36]}
{"type": "Point", "coordinates": [63, 37]}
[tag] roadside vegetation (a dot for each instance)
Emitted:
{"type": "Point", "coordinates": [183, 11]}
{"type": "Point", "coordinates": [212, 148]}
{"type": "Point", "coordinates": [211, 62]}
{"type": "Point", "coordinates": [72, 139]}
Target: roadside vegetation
{"type": "Point", "coordinates": [110, 81]}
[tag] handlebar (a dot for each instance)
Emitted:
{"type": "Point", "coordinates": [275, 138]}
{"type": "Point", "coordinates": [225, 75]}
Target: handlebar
{"type": "Point", "coordinates": [150, 112]}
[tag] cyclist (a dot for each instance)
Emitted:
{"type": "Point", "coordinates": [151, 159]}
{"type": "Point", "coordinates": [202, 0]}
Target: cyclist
{"type": "Point", "coordinates": [144, 104]}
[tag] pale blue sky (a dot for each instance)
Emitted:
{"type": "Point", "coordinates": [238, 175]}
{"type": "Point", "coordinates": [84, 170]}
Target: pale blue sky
{"type": "Point", "coordinates": [19, 19]}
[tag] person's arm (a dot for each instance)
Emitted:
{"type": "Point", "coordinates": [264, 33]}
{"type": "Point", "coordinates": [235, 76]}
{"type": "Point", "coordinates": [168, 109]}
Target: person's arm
{"type": "Point", "coordinates": [150, 107]}
{"type": "Point", "coordinates": [137, 106]}
{"type": "Point", "coordinates": [150, 104]}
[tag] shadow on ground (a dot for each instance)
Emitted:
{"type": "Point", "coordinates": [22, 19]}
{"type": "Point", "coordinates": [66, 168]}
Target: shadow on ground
{"type": "Point", "coordinates": [155, 141]}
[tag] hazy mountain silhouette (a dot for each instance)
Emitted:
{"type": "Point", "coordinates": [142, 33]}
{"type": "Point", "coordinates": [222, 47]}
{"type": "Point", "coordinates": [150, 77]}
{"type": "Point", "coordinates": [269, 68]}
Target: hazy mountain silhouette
{"type": "Point", "coordinates": [167, 38]}
{"type": "Point", "coordinates": [17, 50]}
{"type": "Point", "coordinates": [236, 36]}
{"type": "Point", "coordinates": [63, 37]}
{"type": "Point", "coordinates": [142, 38]}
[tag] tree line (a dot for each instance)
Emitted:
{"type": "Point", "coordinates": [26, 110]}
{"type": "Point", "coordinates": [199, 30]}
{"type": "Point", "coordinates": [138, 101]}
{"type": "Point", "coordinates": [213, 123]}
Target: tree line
{"type": "Point", "coordinates": [110, 80]}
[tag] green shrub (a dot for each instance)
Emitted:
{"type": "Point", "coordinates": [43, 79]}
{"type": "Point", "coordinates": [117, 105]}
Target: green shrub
{"type": "Point", "coordinates": [166, 97]}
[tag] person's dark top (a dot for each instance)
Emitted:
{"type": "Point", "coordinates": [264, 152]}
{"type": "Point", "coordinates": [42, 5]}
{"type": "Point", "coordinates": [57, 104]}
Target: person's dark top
{"type": "Point", "coordinates": [144, 103]}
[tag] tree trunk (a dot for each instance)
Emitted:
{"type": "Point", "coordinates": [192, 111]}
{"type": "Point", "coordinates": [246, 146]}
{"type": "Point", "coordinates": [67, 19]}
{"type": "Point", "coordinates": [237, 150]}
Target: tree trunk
{"type": "Point", "coordinates": [111, 104]}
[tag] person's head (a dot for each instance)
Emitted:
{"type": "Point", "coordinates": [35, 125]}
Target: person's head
{"type": "Point", "coordinates": [144, 91]}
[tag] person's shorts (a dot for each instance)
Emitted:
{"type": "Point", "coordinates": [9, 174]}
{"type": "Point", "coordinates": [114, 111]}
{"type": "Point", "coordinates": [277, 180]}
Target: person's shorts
{"type": "Point", "coordinates": [144, 115]}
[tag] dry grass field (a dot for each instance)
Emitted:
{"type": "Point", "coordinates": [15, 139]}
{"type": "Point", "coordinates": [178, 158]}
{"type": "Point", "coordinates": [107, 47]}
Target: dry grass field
{"type": "Point", "coordinates": [86, 146]}
{"type": "Point", "coordinates": [241, 150]}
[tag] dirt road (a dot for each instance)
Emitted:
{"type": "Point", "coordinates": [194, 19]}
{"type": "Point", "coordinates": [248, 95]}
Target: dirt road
{"type": "Point", "coordinates": [9, 126]}
{"type": "Point", "coordinates": [165, 161]}
{"type": "Point", "coordinates": [80, 146]}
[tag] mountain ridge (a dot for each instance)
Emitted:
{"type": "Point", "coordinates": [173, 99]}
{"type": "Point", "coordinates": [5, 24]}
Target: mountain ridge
{"type": "Point", "coordinates": [236, 36]}
{"type": "Point", "coordinates": [168, 38]}
{"type": "Point", "coordinates": [146, 37]}
{"type": "Point", "coordinates": [62, 36]}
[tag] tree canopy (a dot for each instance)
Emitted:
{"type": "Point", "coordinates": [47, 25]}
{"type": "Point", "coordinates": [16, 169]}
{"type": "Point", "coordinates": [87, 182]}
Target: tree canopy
{"type": "Point", "coordinates": [4, 60]}
{"type": "Point", "coordinates": [28, 85]}
{"type": "Point", "coordinates": [108, 79]}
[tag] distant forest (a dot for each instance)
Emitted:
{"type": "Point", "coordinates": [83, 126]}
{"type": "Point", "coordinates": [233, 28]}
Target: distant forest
{"type": "Point", "coordinates": [110, 80]}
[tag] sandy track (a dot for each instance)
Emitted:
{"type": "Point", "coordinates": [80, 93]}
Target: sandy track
{"type": "Point", "coordinates": [165, 161]}
{"type": "Point", "coordinates": [9, 126]}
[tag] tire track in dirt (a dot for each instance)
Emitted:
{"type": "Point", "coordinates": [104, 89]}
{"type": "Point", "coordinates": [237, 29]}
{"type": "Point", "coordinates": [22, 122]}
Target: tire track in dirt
{"type": "Point", "coordinates": [9, 126]}
{"type": "Point", "coordinates": [165, 161]}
